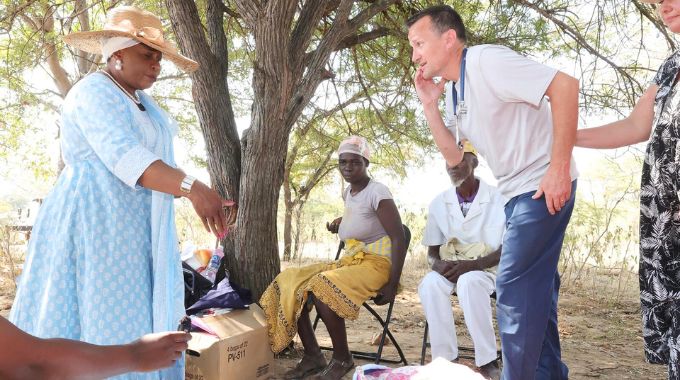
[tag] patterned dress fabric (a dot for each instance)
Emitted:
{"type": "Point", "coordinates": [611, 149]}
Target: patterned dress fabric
{"type": "Point", "coordinates": [93, 255]}
{"type": "Point", "coordinates": [659, 226]}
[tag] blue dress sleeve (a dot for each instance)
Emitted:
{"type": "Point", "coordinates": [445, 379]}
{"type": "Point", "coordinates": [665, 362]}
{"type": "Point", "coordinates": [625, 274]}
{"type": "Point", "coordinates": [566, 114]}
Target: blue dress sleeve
{"type": "Point", "coordinates": [101, 113]}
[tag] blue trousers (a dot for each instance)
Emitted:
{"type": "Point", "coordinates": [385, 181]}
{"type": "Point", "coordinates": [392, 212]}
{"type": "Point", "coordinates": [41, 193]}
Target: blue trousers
{"type": "Point", "coordinates": [527, 288]}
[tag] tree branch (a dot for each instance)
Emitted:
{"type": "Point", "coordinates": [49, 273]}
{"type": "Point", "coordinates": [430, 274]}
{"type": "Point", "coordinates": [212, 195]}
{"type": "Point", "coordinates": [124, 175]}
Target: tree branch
{"type": "Point", "coordinates": [305, 27]}
{"type": "Point", "coordinates": [648, 12]}
{"type": "Point", "coordinates": [578, 38]}
{"type": "Point", "coordinates": [215, 27]}
{"type": "Point", "coordinates": [249, 10]}
{"type": "Point", "coordinates": [358, 39]}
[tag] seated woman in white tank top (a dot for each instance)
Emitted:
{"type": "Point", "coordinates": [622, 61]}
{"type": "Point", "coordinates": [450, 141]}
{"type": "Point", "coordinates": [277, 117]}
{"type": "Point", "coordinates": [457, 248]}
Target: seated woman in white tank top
{"type": "Point", "coordinates": [374, 255]}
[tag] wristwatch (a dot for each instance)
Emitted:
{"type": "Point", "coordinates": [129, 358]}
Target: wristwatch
{"type": "Point", "coordinates": [186, 184]}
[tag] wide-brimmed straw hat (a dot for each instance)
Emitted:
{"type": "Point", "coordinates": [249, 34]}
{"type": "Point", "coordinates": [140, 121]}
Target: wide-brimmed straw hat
{"type": "Point", "coordinates": [134, 23]}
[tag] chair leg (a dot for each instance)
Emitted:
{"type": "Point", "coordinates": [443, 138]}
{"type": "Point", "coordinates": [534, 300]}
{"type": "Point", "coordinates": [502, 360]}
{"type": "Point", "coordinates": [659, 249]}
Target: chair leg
{"type": "Point", "coordinates": [425, 343]}
{"type": "Point", "coordinates": [316, 321]}
{"type": "Point", "coordinates": [386, 332]}
{"type": "Point", "coordinates": [376, 356]}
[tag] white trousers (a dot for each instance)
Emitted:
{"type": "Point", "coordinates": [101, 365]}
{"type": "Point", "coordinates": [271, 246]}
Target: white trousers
{"type": "Point", "coordinates": [474, 290]}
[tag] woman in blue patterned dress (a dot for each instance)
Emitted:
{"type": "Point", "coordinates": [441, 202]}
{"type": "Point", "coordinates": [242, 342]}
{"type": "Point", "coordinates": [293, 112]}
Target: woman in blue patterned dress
{"type": "Point", "coordinates": [656, 119]}
{"type": "Point", "coordinates": [103, 264]}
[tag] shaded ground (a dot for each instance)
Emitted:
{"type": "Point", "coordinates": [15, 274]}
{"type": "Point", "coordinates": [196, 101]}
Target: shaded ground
{"type": "Point", "coordinates": [599, 327]}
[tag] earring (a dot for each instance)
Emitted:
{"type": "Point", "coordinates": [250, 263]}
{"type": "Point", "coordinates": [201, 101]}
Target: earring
{"type": "Point", "coordinates": [118, 65]}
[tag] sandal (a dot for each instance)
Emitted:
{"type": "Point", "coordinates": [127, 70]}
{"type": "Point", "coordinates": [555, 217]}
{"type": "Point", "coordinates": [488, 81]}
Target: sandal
{"type": "Point", "coordinates": [307, 366]}
{"type": "Point", "coordinates": [335, 370]}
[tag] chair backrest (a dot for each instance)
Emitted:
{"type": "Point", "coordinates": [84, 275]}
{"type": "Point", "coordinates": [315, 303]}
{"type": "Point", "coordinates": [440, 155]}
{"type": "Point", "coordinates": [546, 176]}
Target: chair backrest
{"type": "Point", "coordinates": [407, 241]}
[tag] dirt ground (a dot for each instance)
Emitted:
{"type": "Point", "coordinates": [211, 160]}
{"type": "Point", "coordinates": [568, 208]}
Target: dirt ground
{"type": "Point", "coordinates": [599, 326]}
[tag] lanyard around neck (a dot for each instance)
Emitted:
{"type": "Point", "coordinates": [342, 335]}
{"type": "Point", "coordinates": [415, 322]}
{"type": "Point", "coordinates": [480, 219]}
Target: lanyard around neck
{"type": "Point", "coordinates": [461, 75]}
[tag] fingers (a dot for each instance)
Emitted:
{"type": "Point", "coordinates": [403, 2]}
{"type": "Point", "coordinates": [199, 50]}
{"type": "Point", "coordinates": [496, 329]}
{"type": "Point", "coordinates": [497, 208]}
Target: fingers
{"type": "Point", "coordinates": [179, 336]}
{"type": "Point", "coordinates": [205, 223]}
{"type": "Point", "coordinates": [220, 223]}
{"type": "Point", "coordinates": [555, 203]}
{"type": "Point", "coordinates": [212, 223]}
{"type": "Point", "coordinates": [333, 226]}
{"type": "Point", "coordinates": [419, 74]}
{"type": "Point", "coordinates": [551, 203]}
{"type": "Point", "coordinates": [441, 85]}
{"type": "Point", "coordinates": [538, 193]}
{"type": "Point", "coordinates": [232, 212]}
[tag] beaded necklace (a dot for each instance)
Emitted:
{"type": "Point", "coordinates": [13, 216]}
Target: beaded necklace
{"type": "Point", "coordinates": [132, 97]}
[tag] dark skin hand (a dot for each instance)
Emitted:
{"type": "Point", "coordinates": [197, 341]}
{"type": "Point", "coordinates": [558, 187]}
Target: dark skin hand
{"type": "Point", "coordinates": [334, 225]}
{"type": "Point", "coordinates": [451, 270]}
{"type": "Point", "coordinates": [29, 357]}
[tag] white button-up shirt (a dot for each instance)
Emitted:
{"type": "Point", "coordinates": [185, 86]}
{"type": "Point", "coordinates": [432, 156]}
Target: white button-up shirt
{"type": "Point", "coordinates": [484, 222]}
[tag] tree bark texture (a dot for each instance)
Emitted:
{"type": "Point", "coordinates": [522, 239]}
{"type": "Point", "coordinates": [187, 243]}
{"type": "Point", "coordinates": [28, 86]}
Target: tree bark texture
{"type": "Point", "coordinates": [210, 90]}
{"type": "Point", "coordinates": [285, 77]}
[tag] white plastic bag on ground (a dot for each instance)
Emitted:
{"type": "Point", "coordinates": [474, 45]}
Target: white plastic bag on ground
{"type": "Point", "coordinates": [438, 369]}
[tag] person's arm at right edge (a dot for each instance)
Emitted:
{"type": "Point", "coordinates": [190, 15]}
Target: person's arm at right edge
{"type": "Point", "coordinates": [631, 130]}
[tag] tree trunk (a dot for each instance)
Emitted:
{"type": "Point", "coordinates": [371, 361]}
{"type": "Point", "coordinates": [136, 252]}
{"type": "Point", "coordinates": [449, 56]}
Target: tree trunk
{"type": "Point", "coordinates": [287, 231]}
{"type": "Point", "coordinates": [298, 221]}
{"type": "Point", "coordinates": [284, 80]}
{"type": "Point", "coordinates": [212, 100]}
{"type": "Point", "coordinates": [288, 216]}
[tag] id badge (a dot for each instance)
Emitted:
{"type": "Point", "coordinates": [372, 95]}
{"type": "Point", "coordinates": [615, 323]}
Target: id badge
{"type": "Point", "coordinates": [462, 110]}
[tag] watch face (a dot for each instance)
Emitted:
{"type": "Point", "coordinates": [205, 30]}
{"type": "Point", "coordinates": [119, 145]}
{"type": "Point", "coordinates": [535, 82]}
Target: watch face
{"type": "Point", "coordinates": [187, 182]}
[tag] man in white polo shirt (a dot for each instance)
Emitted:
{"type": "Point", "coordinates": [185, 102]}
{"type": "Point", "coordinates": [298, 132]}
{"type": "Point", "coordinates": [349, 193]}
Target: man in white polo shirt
{"type": "Point", "coordinates": [522, 118]}
{"type": "Point", "coordinates": [463, 234]}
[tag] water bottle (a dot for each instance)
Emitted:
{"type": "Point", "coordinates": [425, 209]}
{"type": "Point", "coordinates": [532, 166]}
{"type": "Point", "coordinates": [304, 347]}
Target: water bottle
{"type": "Point", "coordinates": [210, 271]}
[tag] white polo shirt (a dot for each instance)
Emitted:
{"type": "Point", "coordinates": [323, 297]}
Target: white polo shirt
{"type": "Point", "coordinates": [508, 118]}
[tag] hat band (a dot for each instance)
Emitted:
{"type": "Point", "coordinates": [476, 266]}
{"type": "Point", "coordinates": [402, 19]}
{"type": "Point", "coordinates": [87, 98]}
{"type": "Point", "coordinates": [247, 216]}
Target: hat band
{"type": "Point", "coordinates": [114, 44]}
{"type": "Point", "coordinates": [148, 33]}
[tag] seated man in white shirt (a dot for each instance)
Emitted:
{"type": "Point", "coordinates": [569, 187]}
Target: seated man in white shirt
{"type": "Point", "coordinates": [464, 231]}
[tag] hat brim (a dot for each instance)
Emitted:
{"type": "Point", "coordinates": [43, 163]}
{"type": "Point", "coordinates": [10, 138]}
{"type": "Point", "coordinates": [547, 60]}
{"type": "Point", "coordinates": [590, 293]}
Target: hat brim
{"type": "Point", "coordinates": [651, 1]}
{"type": "Point", "coordinates": [90, 42]}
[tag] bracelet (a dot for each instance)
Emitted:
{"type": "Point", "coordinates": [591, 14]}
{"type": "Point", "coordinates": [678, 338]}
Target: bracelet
{"type": "Point", "coordinates": [186, 184]}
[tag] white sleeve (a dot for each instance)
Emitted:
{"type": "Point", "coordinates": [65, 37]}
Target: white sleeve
{"type": "Point", "coordinates": [513, 77]}
{"type": "Point", "coordinates": [379, 193]}
{"type": "Point", "coordinates": [101, 114]}
{"type": "Point", "coordinates": [433, 235]}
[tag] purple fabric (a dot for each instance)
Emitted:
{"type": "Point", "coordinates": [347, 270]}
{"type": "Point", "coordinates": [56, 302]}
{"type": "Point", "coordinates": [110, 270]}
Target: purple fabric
{"type": "Point", "coordinates": [225, 295]}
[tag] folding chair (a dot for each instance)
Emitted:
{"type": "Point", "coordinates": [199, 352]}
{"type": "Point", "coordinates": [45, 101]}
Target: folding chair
{"type": "Point", "coordinates": [385, 323]}
{"type": "Point", "coordinates": [464, 352]}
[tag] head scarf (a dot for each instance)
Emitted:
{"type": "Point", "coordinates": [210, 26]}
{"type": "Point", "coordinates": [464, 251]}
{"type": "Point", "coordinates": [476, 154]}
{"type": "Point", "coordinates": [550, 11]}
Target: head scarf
{"type": "Point", "coordinates": [355, 145]}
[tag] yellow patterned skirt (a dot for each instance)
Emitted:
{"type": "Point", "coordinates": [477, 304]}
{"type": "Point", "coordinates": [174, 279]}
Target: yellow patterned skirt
{"type": "Point", "coordinates": [343, 285]}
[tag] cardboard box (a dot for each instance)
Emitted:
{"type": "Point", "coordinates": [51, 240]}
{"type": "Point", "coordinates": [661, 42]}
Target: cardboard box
{"type": "Point", "coordinates": [241, 351]}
